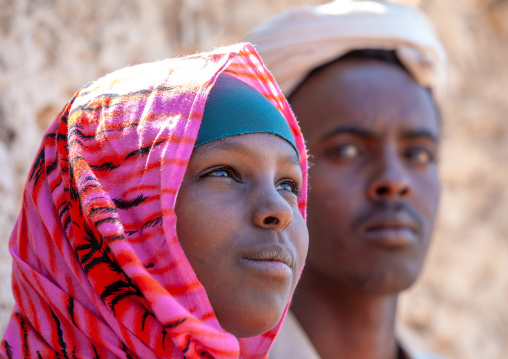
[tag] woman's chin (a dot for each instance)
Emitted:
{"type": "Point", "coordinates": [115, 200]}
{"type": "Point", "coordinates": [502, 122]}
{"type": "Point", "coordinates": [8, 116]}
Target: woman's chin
{"type": "Point", "coordinates": [252, 324]}
{"type": "Point", "coordinates": [253, 329]}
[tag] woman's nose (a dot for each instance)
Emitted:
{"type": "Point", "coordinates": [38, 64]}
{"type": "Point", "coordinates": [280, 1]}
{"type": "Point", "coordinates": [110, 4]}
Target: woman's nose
{"type": "Point", "coordinates": [271, 211]}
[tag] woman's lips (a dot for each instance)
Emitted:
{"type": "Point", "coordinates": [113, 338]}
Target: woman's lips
{"type": "Point", "coordinates": [274, 261]}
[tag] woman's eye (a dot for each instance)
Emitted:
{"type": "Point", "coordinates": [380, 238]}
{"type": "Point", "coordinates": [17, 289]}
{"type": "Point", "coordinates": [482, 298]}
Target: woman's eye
{"type": "Point", "coordinates": [289, 186]}
{"type": "Point", "coordinates": [419, 156]}
{"type": "Point", "coordinates": [219, 173]}
{"type": "Point", "coordinates": [346, 151]}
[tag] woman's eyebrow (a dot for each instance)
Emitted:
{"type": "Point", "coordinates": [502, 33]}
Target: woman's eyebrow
{"type": "Point", "coordinates": [227, 146]}
{"type": "Point", "coordinates": [239, 147]}
{"type": "Point", "coordinates": [206, 151]}
{"type": "Point", "coordinates": [291, 159]}
{"type": "Point", "coordinates": [244, 150]}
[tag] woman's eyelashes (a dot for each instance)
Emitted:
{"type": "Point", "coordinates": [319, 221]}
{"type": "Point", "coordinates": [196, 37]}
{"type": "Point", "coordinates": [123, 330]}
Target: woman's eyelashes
{"type": "Point", "coordinates": [285, 184]}
{"type": "Point", "coordinates": [222, 171]}
{"type": "Point", "coordinates": [288, 185]}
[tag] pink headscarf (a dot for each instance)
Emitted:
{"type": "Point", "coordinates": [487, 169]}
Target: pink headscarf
{"type": "Point", "coordinates": [98, 271]}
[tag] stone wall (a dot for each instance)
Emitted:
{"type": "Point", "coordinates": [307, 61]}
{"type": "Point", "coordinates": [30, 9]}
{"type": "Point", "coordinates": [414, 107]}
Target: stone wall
{"type": "Point", "coordinates": [49, 48]}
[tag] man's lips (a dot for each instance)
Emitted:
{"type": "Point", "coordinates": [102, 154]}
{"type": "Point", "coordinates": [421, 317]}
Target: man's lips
{"type": "Point", "coordinates": [391, 230]}
{"type": "Point", "coordinates": [392, 225]}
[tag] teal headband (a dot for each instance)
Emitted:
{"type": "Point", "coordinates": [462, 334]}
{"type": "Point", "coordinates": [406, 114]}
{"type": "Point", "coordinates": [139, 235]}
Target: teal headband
{"type": "Point", "coordinates": [235, 108]}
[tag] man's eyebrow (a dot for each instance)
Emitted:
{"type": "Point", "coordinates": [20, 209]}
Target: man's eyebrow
{"type": "Point", "coordinates": [366, 133]}
{"type": "Point", "coordinates": [421, 133]}
{"type": "Point", "coordinates": [351, 130]}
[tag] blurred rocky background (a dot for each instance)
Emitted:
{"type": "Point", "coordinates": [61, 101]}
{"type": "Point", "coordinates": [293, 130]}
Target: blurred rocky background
{"type": "Point", "coordinates": [50, 48]}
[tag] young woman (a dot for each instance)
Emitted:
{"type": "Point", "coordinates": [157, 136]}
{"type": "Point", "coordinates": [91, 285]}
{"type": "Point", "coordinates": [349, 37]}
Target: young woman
{"type": "Point", "coordinates": [163, 216]}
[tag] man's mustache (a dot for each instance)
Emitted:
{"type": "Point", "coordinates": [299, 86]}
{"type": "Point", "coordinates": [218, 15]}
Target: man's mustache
{"type": "Point", "coordinates": [389, 208]}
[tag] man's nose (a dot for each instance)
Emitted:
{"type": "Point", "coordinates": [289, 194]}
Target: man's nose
{"type": "Point", "coordinates": [391, 180]}
{"type": "Point", "coordinates": [271, 210]}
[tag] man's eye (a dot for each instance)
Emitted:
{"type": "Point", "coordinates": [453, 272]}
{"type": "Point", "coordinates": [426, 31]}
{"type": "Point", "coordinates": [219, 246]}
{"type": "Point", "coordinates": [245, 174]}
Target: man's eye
{"type": "Point", "coordinates": [346, 151]}
{"type": "Point", "coordinates": [419, 156]}
{"type": "Point", "coordinates": [289, 186]}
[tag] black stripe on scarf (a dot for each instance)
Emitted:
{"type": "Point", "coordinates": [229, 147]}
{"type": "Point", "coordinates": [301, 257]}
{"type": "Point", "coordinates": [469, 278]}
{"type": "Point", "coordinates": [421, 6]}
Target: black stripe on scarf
{"type": "Point", "coordinates": [59, 332]}
{"type": "Point", "coordinates": [8, 348]}
{"type": "Point", "coordinates": [121, 203]}
{"type": "Point", "coordinates": [70, 309]}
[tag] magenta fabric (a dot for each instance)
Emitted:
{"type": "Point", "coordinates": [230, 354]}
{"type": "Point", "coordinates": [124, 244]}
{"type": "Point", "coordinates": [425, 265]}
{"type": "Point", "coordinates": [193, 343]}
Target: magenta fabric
{"type": "Point", "coordinates": [98, 271]}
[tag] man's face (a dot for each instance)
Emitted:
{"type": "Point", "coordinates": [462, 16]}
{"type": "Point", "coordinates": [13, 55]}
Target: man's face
{"type": "Point", "coordinates": [373, 136]}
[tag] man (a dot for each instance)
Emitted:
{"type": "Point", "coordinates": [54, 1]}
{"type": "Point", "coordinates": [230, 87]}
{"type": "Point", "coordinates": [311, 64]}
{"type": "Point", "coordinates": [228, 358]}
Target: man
{"type": "Point", "coordinates": [363, 79]}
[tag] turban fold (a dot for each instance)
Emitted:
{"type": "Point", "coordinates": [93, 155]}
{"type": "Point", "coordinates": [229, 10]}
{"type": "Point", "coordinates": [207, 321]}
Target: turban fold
{"type": "Point", "coordinates": [300, 39]}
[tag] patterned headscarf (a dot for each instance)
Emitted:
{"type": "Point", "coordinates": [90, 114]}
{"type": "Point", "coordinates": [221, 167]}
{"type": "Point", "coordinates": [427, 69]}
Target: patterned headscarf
{"type": "Point", "coordinates": [98, 271]}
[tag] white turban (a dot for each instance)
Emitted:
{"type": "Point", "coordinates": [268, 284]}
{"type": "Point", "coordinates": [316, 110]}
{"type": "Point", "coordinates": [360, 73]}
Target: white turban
{"type": "Point", "coordinates": [300, 39]}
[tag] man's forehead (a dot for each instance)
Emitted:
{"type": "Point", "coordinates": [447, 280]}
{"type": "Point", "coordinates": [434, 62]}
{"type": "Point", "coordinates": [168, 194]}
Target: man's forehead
{"type": "Point", "coordinates": [363, 72]}
{"type": "Point", "coordinates": [366, 94]}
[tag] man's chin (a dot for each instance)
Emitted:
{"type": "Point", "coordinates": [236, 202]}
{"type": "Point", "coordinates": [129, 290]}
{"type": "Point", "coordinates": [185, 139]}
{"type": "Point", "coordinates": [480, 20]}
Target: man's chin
{"type": "Point", "coordinates": [381, 282]}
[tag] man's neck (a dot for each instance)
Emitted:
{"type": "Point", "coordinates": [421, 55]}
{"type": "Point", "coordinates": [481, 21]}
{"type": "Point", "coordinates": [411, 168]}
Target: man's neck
{"type": "Point", "coordinates": [345, 324]}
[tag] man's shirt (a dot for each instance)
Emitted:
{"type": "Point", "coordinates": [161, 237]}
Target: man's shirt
{"type": "Point", "coordinates": [293, 343]}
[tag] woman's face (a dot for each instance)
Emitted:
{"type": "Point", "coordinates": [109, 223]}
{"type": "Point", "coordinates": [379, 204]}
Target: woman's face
{"type": "Point", "coordinates": [239, 225]}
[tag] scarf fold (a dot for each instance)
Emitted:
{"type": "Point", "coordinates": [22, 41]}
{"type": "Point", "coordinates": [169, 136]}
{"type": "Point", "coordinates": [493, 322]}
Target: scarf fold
{"type": "Point", "coordinates": [300, 39]}
{"type": "Point", "coordinates": [98, 271]}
